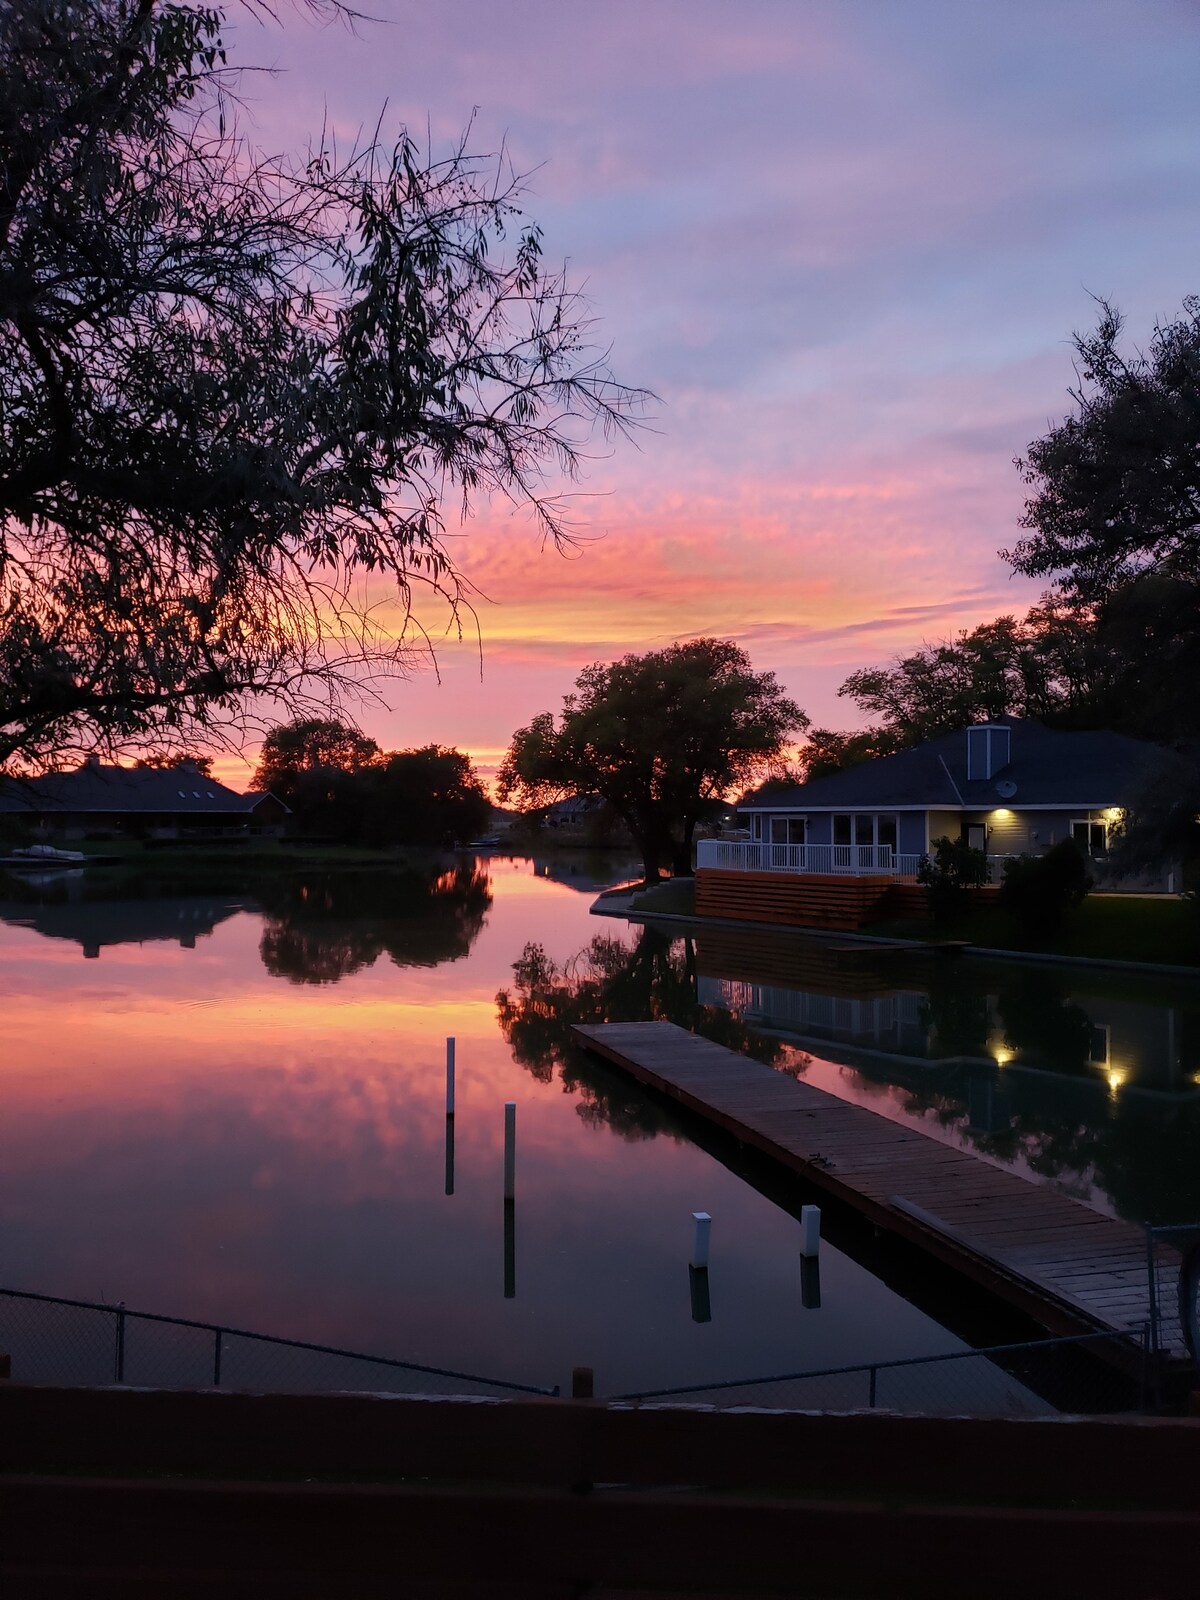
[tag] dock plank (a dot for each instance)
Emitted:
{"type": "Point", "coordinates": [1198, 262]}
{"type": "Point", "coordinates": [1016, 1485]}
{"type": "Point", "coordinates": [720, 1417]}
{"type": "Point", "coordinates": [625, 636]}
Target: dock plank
{"type": "Point", "coordinates": [1073, 1267]}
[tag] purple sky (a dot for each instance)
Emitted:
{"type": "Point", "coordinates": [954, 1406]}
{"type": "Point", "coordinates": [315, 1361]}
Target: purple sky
{"type": "Point", "coordinates": [846, 243]}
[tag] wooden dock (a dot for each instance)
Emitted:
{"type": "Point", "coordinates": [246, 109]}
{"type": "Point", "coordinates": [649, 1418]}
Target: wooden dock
{"type": "Point", "coordinates": [1069, 1266]}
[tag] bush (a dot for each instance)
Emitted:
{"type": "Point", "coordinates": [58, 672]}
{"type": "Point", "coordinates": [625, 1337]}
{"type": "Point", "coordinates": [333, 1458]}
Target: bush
{"type": "Point", "coordinates": [953, 869]}
{"type": "Point", "coordinates": [1038, 891]}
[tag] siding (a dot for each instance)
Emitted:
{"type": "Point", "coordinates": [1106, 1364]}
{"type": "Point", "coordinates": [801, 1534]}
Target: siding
{"type": "Point", "coordinates": [944, 825]}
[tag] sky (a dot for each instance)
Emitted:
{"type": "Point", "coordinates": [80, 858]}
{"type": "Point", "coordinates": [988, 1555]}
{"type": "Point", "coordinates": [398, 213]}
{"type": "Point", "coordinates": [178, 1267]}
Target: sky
{"type": "Point", "coordinates": [845, 242]}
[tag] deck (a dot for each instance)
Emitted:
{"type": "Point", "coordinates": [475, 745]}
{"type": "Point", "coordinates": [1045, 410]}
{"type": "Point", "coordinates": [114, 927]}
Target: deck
{"type": "Point", "coordinates": [1057, 1259]}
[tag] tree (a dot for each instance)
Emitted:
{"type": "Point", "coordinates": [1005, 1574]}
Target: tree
{"type": "Point", "coordinates": [316, 766]}
{"type": "Point", "coordinates": [233, 387]}
{"type": "Point", "coordinates": [428, 796]}
{"type": "Point", "coordinates": [1038, 891]}
{"type": "Point", "coordinates": [310, 745]}
{"type": "Point", "coordinates": [664, 737]}
{"type": "Point", "coordinates": [949, 874]}
{"type": "Point", "coordinates": [1117, 484]}
{"type": "Point", "coordinates": [825, 750]}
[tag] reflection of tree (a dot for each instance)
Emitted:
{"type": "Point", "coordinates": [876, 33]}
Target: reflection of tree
{"type": "Point", "coordinates": [323, 926]}
{"type": "Point", "coordinates": [609, 981]}
{"type": "Point", "coordinates": [1041, 1023]}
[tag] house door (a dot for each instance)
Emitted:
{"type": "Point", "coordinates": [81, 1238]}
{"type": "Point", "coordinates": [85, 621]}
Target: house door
{"type": "Point", "coordinates": [977, 835]}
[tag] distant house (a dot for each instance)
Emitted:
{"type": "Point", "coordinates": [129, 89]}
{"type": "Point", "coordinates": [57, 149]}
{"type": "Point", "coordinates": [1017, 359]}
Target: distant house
{"type": "Point", "coordinates": [142, 802]}
{"type": "Point", "coordinates": [1008, 788]}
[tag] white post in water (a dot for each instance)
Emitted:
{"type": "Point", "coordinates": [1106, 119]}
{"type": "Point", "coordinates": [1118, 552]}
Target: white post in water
{"type": "Point", "coordinates": [449, 1077]}
{"type": "Point", "coordinates": [810, 1231]}
{"type": "Point", "coordinates": [510, 1149]}
{"type": "Point", "coordinates": [700, 1238]}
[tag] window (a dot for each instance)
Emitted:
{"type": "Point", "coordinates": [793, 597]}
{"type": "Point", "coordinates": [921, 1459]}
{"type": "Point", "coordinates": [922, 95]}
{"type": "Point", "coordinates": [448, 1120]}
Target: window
{"type": "Point", "coordinates": [1098, 1044]}
{"type": "Point", "coordinates": [865, 828]}
{"type": "Point", "coordinates": [1091, 837]}
{"type": "Point", "coordinates": [788, 830]}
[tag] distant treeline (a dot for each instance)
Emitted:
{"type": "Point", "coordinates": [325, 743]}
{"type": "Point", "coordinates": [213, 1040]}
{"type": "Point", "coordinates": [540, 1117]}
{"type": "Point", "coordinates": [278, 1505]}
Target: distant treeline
{"type": "Point", "coordinates": [341, 785]}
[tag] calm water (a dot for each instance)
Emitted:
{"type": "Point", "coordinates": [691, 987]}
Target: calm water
{"type": "Point", "coordinates": [227, 1103]}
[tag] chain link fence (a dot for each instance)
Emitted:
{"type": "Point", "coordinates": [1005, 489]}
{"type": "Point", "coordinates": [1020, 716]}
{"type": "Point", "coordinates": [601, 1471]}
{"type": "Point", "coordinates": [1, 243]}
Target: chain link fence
{"type": "Point", "coordinates": [79, 1342]}
{"type": "Point", "coordinates": [1096, 1374]}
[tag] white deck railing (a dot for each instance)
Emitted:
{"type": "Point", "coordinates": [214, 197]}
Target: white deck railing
{"type": "Point", "coordinates": [740, 855]}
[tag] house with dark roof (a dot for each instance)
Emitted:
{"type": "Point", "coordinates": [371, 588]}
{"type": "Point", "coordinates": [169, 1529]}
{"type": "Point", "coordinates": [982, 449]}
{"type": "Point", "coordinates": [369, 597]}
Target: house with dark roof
{"type": "Point", "coordinates": [141, 802]}
{"type": "Point", "coordinates": [1009, 788]}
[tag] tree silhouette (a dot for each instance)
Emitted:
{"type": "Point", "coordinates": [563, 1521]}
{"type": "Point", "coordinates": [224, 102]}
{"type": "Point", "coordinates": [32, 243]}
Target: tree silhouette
{"type": "Point", "coordinates": [611, 981]}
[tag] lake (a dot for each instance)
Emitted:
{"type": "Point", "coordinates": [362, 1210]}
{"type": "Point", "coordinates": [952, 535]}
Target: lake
{"type": "Point", "coordinates": [224, 1100]}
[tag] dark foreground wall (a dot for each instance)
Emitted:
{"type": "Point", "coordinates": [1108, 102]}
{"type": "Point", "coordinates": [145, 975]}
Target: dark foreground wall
{"type": "Point", "coordinates": [157, 1494]}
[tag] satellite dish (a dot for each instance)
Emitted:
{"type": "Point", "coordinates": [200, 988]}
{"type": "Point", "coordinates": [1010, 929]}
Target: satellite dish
{"type": "Point", "coordinates": [1006, 788]}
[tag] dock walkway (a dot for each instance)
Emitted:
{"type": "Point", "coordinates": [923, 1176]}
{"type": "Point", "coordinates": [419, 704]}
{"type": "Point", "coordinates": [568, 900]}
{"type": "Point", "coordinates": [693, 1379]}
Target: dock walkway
{"type": "Point", "coordinates": [1066, 1264]}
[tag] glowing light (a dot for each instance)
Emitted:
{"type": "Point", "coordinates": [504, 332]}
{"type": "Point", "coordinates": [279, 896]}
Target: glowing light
{"type": "Point", "coordinates": [1117, 1077]}
{"type": "Point", "coordinates": [1002, 1055]}
{"type": "Point", "coordinates": [1002, 813]}
{"type": "Point", "coordinates": [1114, 814]}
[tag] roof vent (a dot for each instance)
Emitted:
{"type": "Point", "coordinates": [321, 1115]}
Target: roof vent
{"type": "Point", "coordinates": [1006, 788]}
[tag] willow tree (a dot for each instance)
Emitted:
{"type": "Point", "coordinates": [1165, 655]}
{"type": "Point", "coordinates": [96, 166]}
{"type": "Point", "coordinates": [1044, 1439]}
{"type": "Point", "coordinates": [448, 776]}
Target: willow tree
{"type": "Point", "coordinates": [234, 386]}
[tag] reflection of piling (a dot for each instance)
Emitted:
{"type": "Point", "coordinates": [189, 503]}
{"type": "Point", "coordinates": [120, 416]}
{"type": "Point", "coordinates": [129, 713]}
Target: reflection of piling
{"type": "Point", "coordinates": [810, 1283]}
{"type": "Point", "coordinates": [701, 1303]}
{"type": "Point", "coordinates": [449, 1077]}
{"type": "Point", "coordinates": [450, 1155]}
{"type": "Point", "coordinates": [510, 1149]}
{"type": "Point", "coordinates": [510, 1250]}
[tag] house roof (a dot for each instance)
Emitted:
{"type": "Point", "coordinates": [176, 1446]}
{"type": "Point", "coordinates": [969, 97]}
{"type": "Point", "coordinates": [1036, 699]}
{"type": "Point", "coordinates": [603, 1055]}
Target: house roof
{"type": "Point", "coordinates": [1049, 767]}
{"type": "Point", "coordinates": [93, 788]}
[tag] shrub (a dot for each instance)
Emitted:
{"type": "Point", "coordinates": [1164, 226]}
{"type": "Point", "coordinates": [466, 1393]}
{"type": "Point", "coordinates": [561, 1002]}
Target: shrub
{"type": "Point", "coordinates": [949, 873]}
{"type": "Point", "coordinates": [1038, 891]}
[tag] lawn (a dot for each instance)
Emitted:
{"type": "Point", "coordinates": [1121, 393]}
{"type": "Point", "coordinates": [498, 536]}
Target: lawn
{"type": "Point", "coordinates": [1115, 927]}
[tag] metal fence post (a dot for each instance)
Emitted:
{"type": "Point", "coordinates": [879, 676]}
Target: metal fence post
{"type": "Point", "coordinates": [120, 1351]}
{"type": "Point", "coordinates": [1152, 1288]}
{"type": "Point", "coordinates": [217, 1332]}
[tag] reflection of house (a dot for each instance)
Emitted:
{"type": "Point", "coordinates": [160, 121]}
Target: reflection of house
{"type": "Point", "coordinates": [1007, 788]}
{"type": "Point", "coordinates": [92, 924]}
{"type": "Point", "coordinates": [145, 802]}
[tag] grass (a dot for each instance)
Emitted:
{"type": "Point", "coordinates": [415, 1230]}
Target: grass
{"type": "Point", "coordinates": [1114, 928]}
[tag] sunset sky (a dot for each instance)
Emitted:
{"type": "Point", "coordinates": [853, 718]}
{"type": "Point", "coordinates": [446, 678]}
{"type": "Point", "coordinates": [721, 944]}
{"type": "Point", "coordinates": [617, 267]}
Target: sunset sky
{"type": "Point", "coordinates": [844, 241]}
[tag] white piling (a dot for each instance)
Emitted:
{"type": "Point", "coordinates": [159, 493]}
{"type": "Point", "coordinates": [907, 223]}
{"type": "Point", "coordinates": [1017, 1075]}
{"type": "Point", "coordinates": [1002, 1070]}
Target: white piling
{"type": "Point", "coordinates": [700, 1238]}
{"type": "Point", "coordinates": [810, 1230]}
{"type": "Point", "coordinates": [449, 1077]}
{"type": "Point", "coordinates": [510, 1149]}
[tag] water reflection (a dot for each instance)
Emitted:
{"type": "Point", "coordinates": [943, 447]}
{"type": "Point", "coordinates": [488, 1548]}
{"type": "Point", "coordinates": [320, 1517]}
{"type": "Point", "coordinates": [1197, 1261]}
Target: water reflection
{"type": "Point", "coordinates": [613, 981]}
{"type": "Point", "coordinates": [1083, 1077]}
{"type": "Point", "coordinates": [324, 926]}
{"type": "Point", "coordinates": [318, 926]}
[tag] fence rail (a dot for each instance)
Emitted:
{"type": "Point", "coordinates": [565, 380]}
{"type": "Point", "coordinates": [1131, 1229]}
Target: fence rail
{"type": "Point", "coordinates": [55, 1340]}
{"type": "Point", "coordinates": [1037, 1377]}
{"type": "Point", "coordinates": [853, 860]}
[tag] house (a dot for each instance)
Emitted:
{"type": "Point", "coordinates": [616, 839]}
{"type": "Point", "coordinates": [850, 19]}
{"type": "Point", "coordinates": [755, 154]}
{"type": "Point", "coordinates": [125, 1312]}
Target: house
{"type": "Point", "coordinates": [1009, 788]}
{"type": "Point", "coordinates": [96, 800]}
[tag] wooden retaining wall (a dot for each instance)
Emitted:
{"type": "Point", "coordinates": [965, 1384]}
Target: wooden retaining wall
{"type": "Point", "coordinates": [791, 899]}
{"type": "Point", "coordinates": [836, 901]}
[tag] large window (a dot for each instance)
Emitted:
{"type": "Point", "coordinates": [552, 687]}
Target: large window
{"type": "Point", "coordinates": [788, 830]}
{"type": "Point", "coordinates": [865, 828]}
{"type": "Point", "coordinates": [1091, 837]}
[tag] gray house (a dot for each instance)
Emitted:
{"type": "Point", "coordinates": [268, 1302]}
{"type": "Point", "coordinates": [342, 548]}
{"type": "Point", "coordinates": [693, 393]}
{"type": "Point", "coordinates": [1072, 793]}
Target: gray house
{"type": "Point", "coordinates": [142, 802]}
{"type": "Point", "coordinates": [1009, 787]}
